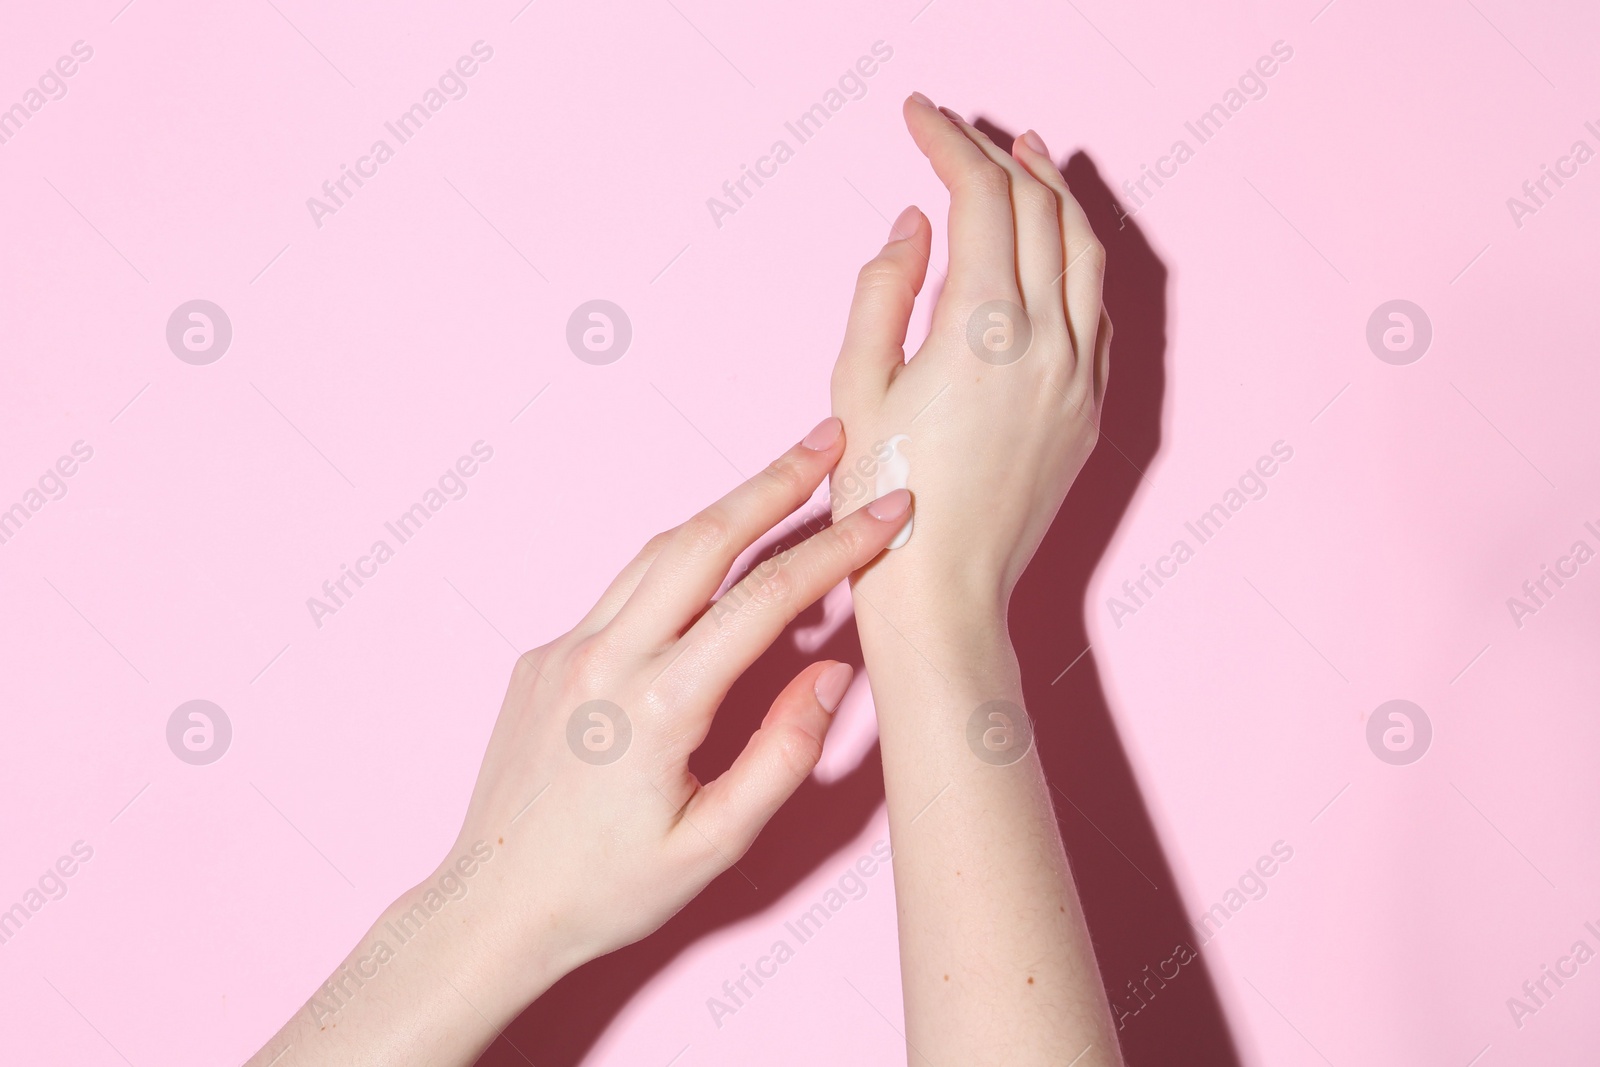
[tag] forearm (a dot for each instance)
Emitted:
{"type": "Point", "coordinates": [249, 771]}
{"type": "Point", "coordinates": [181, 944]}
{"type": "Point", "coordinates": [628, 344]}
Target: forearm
{"type": "Point", "coordinates": [431, 983]}
{"type": "Point", "coordinates": [995, 957]}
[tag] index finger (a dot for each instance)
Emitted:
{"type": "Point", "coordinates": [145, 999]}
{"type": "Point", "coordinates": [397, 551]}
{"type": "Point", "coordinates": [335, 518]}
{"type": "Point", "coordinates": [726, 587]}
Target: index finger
{"type": "Point", "coordinates": [695, 557]}
{"type": "Point", "coordinates": [744, 622]}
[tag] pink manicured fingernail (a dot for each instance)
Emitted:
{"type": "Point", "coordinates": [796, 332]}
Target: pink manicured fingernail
{"type": "Point", "coordinates": [890, 506]}
{"type": "Point", "coordinates": [822, 437]}
{"type": "Point", "coordinates": [951, 115]}
{"type": "Point", "coordinates": [1036, 143]}
{"type": "Point", "coordinates": [831, 685]}
{"type": "Point", "coordinates": [904, 224]}
{"type": "Point", "coordinates": [924, 101]}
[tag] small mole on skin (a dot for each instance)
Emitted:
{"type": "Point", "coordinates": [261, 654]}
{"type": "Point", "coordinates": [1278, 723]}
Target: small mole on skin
{"type": "Point", "coordinates": [947, 978]}
{"type": "Point", "coordinates": [500, 840]}
{"type": "Point", "coordinates": [1030, 981]}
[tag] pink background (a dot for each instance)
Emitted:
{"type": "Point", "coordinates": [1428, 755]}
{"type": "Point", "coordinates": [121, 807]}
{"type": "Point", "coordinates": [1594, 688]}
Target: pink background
{"type": "Point", "coordinates": [1228, 714]}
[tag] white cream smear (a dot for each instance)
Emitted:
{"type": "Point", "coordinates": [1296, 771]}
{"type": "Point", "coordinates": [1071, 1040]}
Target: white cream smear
{"type": "Point", "coordinates": [894, 473]}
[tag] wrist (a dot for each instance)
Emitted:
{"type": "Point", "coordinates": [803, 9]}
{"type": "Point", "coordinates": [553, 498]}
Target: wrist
{"type": "Point", "coordinates": [952, 611]}
{"type": "Point", "coordinates": [934, 653]}
{"type": "Point", "coordinates": [465, 926]}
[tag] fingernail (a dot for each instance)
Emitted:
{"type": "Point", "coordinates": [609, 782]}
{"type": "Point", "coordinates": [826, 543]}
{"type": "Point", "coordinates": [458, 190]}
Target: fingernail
{"type": "Point", "coordinates": [924, 101]}
{"type": "Point", "coordinates": [890, 506]}
{"type": "Point", "coordinates": [831, 685]}
{"type": "Point", "coordinates": [1036, 143]}
{"type": "Point", "coordinates": [904, 224]}
{"type": "Point", "coordinates": [823, 435]}
{"type": "Point", "coordinates": [951, 115]}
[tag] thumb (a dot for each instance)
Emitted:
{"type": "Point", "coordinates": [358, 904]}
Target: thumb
{"type": "Point", "coordinates": [886, 290]}
{"type": "Point", "coordinates": [778, 757]}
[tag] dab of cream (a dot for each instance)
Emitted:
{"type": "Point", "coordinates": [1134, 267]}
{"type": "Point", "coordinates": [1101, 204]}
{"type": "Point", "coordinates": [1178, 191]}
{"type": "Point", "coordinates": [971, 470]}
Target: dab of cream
{"type": "Point", "coordinates": [894, 473]}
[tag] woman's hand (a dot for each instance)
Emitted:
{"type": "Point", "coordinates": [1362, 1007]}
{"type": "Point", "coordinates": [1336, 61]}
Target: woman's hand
{"type": "Point", "coordinates": [586, 830]}
{"type": "Point", "coordinates": [606, 832]}
{"type": "Point", "coordinates": [1000, 407]}
{"type": "Point", "coordinates": [995, 416]}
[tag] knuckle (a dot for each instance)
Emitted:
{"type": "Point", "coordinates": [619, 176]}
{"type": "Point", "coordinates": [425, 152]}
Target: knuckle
{"type": "Point", "coordinates": [525, 672]}
{"type": "Point", "coordinates": [586, 656]}
{"type": "Point", "coordinates": [788, 477]}
{"type": "Point", "coordinates": [772, 590]}
{"type": "Point", "coordinates": [851, 541]}
{"type": "Point", "coordinates": [881, 274]}
{"type": "Point", "coordinates": [708, 533]}
{"type": "Point", "coordinates": [872, 271]}
{"type": "Point", "coordinates": [798, 749]}
{"type": "Point", "coordinates": [848, 542]}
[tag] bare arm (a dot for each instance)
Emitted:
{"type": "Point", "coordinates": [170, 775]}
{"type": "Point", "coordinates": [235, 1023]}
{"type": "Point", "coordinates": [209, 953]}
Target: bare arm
{"type": "Point", "coordinates": [998, 410]}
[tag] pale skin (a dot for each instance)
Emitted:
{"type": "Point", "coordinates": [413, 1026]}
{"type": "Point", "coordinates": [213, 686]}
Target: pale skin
{"type": "Point", "coordinates": [996, 962]}
{"type": "Point", "coordinates": [570, 851]}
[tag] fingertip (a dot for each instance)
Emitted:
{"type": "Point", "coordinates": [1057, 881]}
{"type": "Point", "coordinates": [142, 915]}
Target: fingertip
{"type": "Point", "coordinates": [1031, 151]}
{"type": "Point", "coordinates": [923, 119]}
{"type": "Point", "coordinates": [824, 436]}
{"type": "Point", "coordinates": [1031, 140]}
{"type": "Point", "coordinates": [906, 224]}
{"type": "Point", "coordinates": [831, 685]}
{"type": "Point", "coordinates": [891, 507]}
